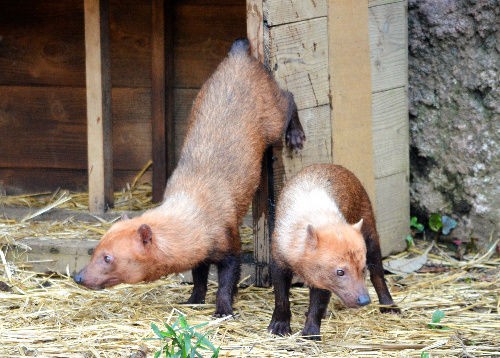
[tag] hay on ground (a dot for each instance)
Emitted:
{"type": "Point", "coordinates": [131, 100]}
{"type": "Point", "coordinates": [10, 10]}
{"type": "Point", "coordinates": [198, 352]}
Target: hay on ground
{"type": "Point", "coordinates": [50, 316]}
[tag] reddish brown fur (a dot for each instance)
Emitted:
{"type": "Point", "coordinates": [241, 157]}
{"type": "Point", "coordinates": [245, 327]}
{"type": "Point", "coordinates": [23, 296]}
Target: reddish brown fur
{"type": "Point", "coordinates": [238, 112]}
{"type": "Point", "coordinates": [318, 232]}
{"type": "Point", "coordinates": [333, 248]}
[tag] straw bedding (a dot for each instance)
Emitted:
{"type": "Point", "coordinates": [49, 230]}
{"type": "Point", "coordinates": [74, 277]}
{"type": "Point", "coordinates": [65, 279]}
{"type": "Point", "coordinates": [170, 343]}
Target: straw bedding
{"type": "Point", "coordinates": [50, 316]}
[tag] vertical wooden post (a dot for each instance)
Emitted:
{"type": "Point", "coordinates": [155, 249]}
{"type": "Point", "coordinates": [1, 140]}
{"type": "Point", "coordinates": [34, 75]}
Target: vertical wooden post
{"type": "Point", "coordinates": [99, 123]}
{"type": "Point", "coordinates": [261, 204]}
{"type": "Point", "coordinates": [350, 83]}
{"type": "Point", "coordinates": [162, 98]}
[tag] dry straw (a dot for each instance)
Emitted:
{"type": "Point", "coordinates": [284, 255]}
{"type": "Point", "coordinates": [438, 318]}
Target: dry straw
{"type": "Point", "coordinates": [50, 316]}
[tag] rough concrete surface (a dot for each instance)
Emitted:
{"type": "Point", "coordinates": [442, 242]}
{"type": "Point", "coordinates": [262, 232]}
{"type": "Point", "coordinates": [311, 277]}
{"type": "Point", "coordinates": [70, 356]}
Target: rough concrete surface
{"type": "Point", "coordinates": [454, 69]}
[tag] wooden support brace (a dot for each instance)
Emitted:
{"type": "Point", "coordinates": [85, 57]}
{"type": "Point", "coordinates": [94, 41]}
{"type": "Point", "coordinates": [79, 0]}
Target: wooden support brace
{"type": "Point", "coordinates": [350, 86]}
{"type": "Point", "coordinates": [99, 123]}
{"type": "Point", "coordinates": [261, 204]}
{"type": "Point", "coordinates": [162, 95]}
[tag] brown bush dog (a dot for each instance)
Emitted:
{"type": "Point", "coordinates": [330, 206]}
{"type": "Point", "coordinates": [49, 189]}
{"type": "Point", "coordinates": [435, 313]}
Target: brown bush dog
{"type": "Point", "coordinates": [239, 111]}
{"type": "Point", "coordinates": [325, 232]}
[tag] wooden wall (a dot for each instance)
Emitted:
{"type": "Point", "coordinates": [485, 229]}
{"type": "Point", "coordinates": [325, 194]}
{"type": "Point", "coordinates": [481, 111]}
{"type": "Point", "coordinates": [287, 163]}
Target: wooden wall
{"type": "Point", "coordinates": [297, 37]}
{"type": "Point", "coordinates": [42, 84]}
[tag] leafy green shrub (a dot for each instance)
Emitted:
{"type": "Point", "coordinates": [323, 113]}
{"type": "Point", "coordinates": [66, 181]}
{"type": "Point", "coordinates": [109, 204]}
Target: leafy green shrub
{"type": "Point", "coordinates": [182, 340]}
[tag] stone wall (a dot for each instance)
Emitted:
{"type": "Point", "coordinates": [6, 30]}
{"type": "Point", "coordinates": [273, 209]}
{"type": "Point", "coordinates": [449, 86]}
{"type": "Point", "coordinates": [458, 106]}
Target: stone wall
{"type": "Point", "coordinates": [454, 69]}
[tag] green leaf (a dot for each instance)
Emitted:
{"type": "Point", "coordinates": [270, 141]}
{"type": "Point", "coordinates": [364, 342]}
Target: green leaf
{"type": "Point", "coordinates": [409, 241]}
{"type": "Point", "coordinates": [182, 322]}
{"type": "Point", "coordinates": [157, 331]}
{"type": "Point", "coordinates": [415, 224]}
{"type": "Point", "coordinates": [424, 355]}
{"type": "Point", "coordinates": [435, 222]}
{"type": "Point", "coordinates": [157, 354]}
{"type": "Point", "coordinates": [437, 316]}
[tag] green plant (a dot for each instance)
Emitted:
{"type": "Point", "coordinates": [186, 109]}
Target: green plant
{"type": "Point", "coordinates": [437, 316]}
{"type": "Point", "coordinates": [182, 340]}
{"type": "Point", "coordinates": [414, 224]}
{"type": "Point", "coordinates": [425, 355]}
{"type": "Point", "coordinates": [443, 223]}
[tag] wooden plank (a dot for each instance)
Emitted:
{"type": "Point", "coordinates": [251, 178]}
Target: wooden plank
{"type": "Point", "coordinates": [388, 28]}
{"type": "Point", "coordinates": [44, 127]}
{"type": "Point", "coordinates": [390, 132]}
{"type": "Point", "coordinates": [280, 12]}
{"type": "Point", "coordinates": [350, 81]}
{"type": "Point", "coordinates": [392, 211]}
{"type": "Point", "coordinates": [204, 34]}
{"type": "Point", "coordinates": [130, 35]}
{"type": "Point", "coordinates": [99, 148]}
{"type": "Point", "coordinates": [158, 98]}
{"type": "Point", "coordinates": [372, 3]}
{"type": "Point", "coordinates": [48, 255]}
{"type": "Point", "coordinates": [43, 43]}
{"type": "Point", "coordinates": [299, 60]}
{"type": "Point", "coordinates": [52, 255]}
{"type": "Point", "coordinates": [317, 148]}
{"type": "Point", "coordinates": [21, 180]}
{"type": "Point", "coordinates": [262, 215]}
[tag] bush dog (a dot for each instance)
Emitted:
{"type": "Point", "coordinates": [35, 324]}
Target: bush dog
{"type": "Point", "coordinates": [325, 232]}
{"type": "Point", "coordinates": [239, 111]}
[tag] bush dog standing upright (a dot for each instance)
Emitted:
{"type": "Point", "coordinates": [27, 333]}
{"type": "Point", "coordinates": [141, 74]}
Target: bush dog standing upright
{"type": "Point", "coordinates": [239, 111]}
{"type": "Point", "coordinates": [325, 232]}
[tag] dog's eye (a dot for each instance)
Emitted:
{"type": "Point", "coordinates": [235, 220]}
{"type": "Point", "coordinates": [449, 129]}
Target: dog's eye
{"type": "Point", "coordinates": [108, 259]}
{"type": "Point", "coordinates": [340, 272]}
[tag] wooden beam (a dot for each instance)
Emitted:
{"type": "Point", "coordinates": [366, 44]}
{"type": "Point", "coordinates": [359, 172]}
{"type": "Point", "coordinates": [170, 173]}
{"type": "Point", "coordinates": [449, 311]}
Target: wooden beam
{"type": "Point", "coordinates": [351, 89]}
{"type": "Point", "coordinates": [162, 98]}
{"type": "Point", "coordinates": [99, 124]}
{"type": "Point", "coordinates": [262, 216]}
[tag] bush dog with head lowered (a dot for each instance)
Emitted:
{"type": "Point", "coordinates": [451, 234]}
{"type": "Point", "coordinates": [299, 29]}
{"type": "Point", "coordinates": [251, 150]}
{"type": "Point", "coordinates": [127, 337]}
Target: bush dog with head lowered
{"type": "Point", "coordinates": [239, 111]}
{"type": "Point", "coordinates": [325, 232]}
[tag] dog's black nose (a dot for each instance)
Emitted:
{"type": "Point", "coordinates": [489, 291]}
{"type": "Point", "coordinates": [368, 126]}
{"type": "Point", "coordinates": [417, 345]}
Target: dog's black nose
{"type": "Point", "coordinates": [78, 278]}
{"type": "Point", "coordinates": [363, 300]}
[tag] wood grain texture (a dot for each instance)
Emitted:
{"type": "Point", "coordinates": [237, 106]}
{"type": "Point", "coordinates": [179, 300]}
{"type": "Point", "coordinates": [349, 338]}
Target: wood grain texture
{"type": "Point", "coordinates": [158, 98]}
{"type": "Point", "coordinates": [49, 129]}
{"type": "Point", "coordinates": [20, 180]}
{"type": "Point", "coordinates": [350, 83]}
{"type": "Point", "coordinates": [388, 29]}
{"type": "Point", "coordinates": [204, 34]}
{"type": "Point", "coordinates": [43, 43]}
{"type": "Point", "coordinates": [317, 148]}
{"type": "Point", "coordinates": [99, 125]}
{"type": "Point", "coordinates": [299, 60]}
{"type": "Point", "coordinates": [390, 132]}
{"type": "Point", "coordinates": [280, 12]}
{"type": "Point", "coordinates": [392, 211]}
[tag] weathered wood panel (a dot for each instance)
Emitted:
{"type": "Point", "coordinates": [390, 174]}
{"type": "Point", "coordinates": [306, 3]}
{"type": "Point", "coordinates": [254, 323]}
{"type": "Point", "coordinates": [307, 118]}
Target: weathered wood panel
{"type": "Point", "coordinates": [392, 211]}
{"type": "Point", "coordinates": [351, 87]}
{"type": "Point", "coordinates": [130, 35]}
{"type": "Point", "coordinates": [204, 33]}
{"type": "Point", "coordinates": [390, 132]}
{"type": "Point", "coordinates": [38, 47]}
{"type": "Point", "coordinates": [49, 129]}
{"type": "Point", "coordinates": [99, 121]}
{"type": "Point", "coordinates": [317, 148]}
{"type": "Point", "coordinates": [299, 60]}
{"type": "Point", "coordinates": [389, 45]}
{"type": "Point", "coordinates": [20, 180]}
{"type": "Point", "coordinates": [43, 43]}
{"type": "Point", "coordinates": [286, 11]}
